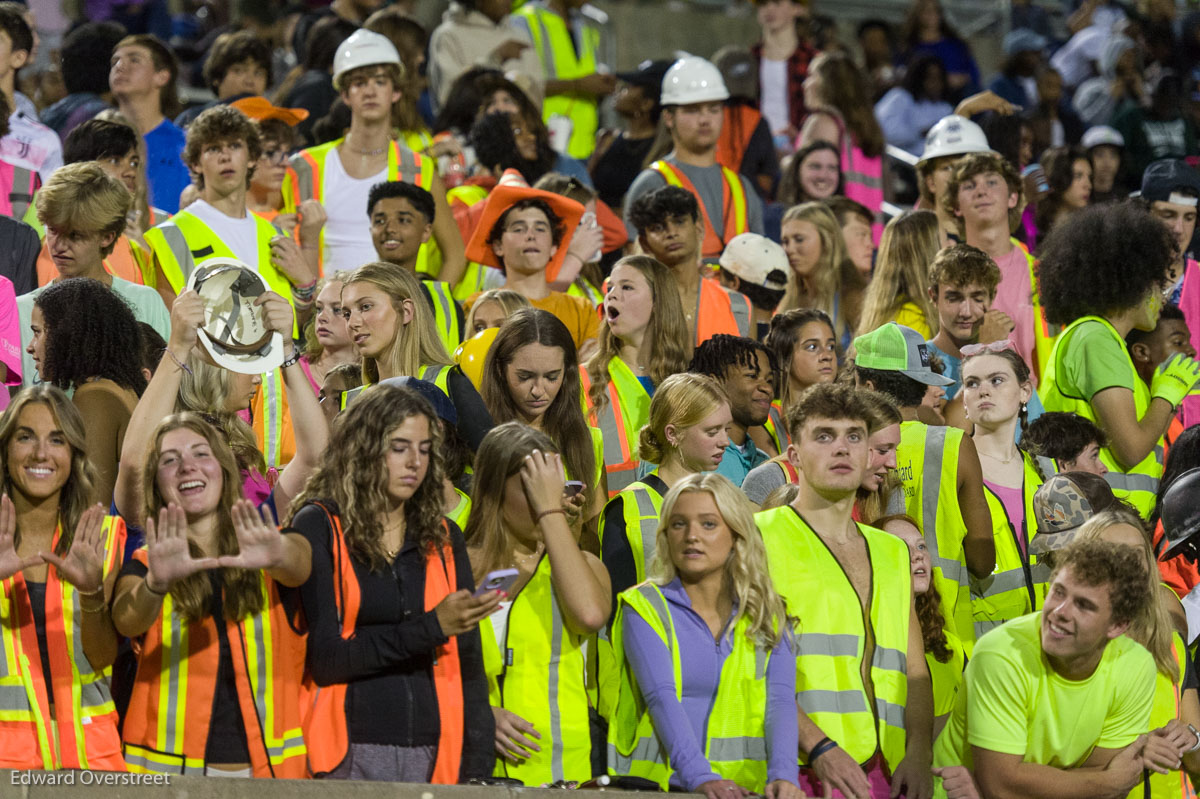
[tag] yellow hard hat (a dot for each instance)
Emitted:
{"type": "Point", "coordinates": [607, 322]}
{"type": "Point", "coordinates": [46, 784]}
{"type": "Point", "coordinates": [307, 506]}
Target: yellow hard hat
{"type": "Point", "coordinates": [472, 353]}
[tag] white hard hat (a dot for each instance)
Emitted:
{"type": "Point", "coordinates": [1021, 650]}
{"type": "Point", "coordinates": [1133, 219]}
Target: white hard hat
{"type": "Point", "coordinates": [693, 79]}
{"type": "Point", "coordinates": [954, 135]}
{"type": "Point", "coordinates": [1101, 134]}
{"type": "Point", "coordinates": [363, 48]}
{"type": "Point", "coordinates": [757, 260]}
{"type": "Point", "coordinates": [234, 333]}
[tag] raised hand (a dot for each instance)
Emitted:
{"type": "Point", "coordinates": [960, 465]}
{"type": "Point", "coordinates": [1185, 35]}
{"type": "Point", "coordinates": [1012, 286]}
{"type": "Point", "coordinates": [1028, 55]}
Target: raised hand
{"type": "Point", "coordinates": [83, 567]}
{"type": "Point", "coordinates": [287, 258]}
{"type": "Point", "coordinates": [260, 544]}
{"type": "Point", "coordinates": [10, 561]}
{"type": "Point", "coordinates": [170, 560]}
{"type": "Point", "coordinates": [187, 317]}
{"type": "Point", "coordinates": [542, 477]}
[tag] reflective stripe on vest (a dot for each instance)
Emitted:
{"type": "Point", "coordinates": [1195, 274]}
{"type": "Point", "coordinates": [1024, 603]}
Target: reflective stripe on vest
{"type": "Point", "coordinates": [84, 715]}
{"type": "Point", "coordinates": [552, 697]}
{"type": "Point", "coordinates": [1017, 585]}
{"type": "Point", "coordinates": [641, 507]}
{"type": "Point", "coordinates": [927, 456]}
{"type": "Point", "coordinates": [777, 429]}
{"type": "Point", "coordinates": [166, 727]}
{"type": "Point", "coordinates": [734, 216]}
{"type": "Point", "coordinates": [1138, 485]}
{"type": "Point", "coordinates": [438, 375]}
{"type": "Point", "coordinates": [833, 633]}
{"type": "Point", "coordinates": [23, 183]}
{"type": "Point", "coordinates": [735, 742]}
{"type": "Point", "coordinates": [620, 421]}
{"type": "Point", "coordinates": [304, 179]}
{"type": "Point", "coordinates": [268, 426]}
{"type": "Point", "coordinates": [445, 313]}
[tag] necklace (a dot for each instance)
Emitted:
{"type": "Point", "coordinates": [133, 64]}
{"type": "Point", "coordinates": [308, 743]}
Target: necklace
{"type": "Point", "coordinates": [1006, 461]}
{"type": "Point", "coordinates": [367, 153]}
{"type": "Point", "coordinates": [523, 560]}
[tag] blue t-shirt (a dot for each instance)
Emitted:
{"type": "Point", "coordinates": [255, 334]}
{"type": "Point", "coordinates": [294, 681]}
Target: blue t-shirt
{"type": "Point", "coordinates": [165, 170]}
{"type": "Point", "coordinates": [738, 461]}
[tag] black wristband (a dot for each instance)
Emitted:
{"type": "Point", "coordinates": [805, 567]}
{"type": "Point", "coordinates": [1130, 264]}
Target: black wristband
{"type": "Point", "coordinates": [823, 746]}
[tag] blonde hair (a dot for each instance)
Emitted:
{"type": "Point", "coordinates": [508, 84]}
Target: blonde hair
{"type": "Point", "coordinates": [83, 197]}
{"type": "Point", "coordinates": [753, 590]}
{"type": "Point", "coordinates": [417, 344]}
{"type": "Point", "coordinates": [1153, 627]}
{"type": "Point", "coordinates": [910, 243]}
{"type": "Point", "coordinates": [826, 276]}
{"type": "Point", "coordinates": [204, 389]}
{"type": "Point", "coordinates": [313, 349]}
{"type": "Point", "coordinates": [683, 400]}
{"type": "Point", "coordinates": [509, 301]}
{"type": "Point", "coordinates": [667, 332]}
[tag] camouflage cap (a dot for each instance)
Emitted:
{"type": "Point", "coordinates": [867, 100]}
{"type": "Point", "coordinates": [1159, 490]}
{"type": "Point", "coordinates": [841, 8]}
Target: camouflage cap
{"type": "Point", "coordinates": [1062, 504]}
{"type": "Point", "coordinates": [234, 332]}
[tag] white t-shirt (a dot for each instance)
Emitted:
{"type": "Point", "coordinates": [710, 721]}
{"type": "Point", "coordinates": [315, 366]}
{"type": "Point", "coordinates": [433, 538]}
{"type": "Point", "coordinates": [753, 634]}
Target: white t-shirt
{"type": "Point", "coordinates": [32, 145]}
{"type": "Point", "coordinates": [773, 102]}
{"type": "Point", "coordinates": [347, 227]}
{"type": "Point", "coordinates": [240, 235]}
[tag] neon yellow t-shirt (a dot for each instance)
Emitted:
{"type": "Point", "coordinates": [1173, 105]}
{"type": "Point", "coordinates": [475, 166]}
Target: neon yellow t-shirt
{"type": "Point", "coordinates": [910, 314]}
{"type": "Point", "coordinates": [1013, 702]}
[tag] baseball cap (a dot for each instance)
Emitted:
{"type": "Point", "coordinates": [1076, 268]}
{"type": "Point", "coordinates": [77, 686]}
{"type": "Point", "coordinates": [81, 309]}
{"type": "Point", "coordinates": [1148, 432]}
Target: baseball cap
{"type": "Point", "coordinates": [234, 333]}
{"type": "Point", "coordinates": [648, 75]}
{"type": "Point", "coordinates": [896, 348]}
{"type": "Point", "coordinates": [1062, 504]}
{"type": "Point", "coordinates": [1170, 180]}
{"type": "Point", "coordinates": [1019, 40]}
{"type": "Point", "coordinates": [261, 109]}
{"type": "Point", "coordinates": [442, 405]}
{"type": "Point", "coordinates": [1101, 134]}
{"type": "Point", "coordinates": [756, 259]}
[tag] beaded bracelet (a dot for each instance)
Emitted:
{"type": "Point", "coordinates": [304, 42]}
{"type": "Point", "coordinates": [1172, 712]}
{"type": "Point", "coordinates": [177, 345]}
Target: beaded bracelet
{"type": "Point", "coordinates": [178, 362]}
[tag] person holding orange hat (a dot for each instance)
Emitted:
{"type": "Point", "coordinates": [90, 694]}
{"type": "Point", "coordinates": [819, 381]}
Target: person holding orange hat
{"type": "Point", "coordinates": [277, 127]}
{"type": "Point", "coordinates": [526, 233]}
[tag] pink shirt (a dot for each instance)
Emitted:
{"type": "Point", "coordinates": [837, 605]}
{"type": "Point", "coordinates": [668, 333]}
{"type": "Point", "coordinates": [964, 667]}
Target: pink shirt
{"type": "Point", "coordinates": [10, 337]}
{"type": "Point", "coordinates": [1189, 303]}
{"type": "Point", "coordinates": [1014, 296]}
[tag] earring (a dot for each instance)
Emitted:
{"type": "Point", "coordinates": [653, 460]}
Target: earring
{"type": "Point", "coordinates": [1024, 408]}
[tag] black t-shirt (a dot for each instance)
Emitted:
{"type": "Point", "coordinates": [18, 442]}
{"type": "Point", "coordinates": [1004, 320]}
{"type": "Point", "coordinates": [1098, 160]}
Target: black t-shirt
{"type": "Point", "coordinates": [37, 601]}
{"type": "Point", "coordinates": [617, 167]}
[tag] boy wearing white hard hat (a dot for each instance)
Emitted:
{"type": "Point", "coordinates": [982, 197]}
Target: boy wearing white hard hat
{"type": "Point", "coordinates": [339, 174]}
{"type": "Point", "coordinates": [758, 268]}
{"type": "Point", "coordinates": [693, 98]}
{"type": "Point", "coordinates": [945, 144]}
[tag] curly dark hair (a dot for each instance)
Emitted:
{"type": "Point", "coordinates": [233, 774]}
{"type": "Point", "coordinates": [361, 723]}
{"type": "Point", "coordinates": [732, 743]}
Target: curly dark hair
{"type": "Point", "coordinates": [557, 228]}
{"type": "Point", "coordinates": [1061, 436]}
{"type": "Point", "coordinates": [1097, 563]}
{"type": "Point", "coordinates": [661, 205]}
{"type": "Point", "coordinates": [90, 332]}
{"type": "Point", "coordinates": [219, 125]}
{"type": "Point", "coordinates": [715, 355]}
{"type": "Point", "coordinates": [905, 391]}
{"type": "Point", "coordinates": [231, 49]}
{"type": "Point", "coordinates": [1102, 260]}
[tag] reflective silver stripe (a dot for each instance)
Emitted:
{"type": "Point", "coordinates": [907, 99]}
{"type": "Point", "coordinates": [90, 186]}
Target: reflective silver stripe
{"type": "Point", "coordinates": [179, 248]}
{"type": "Point", "coordinates": [646, 510]}
{"type": "Point", "coordinates": [14, 697]}
{"type": "Point", "coordinates": [1122, 481]}
{"type": "Point", "coordinates": [740, 306]}
{"type": "Point", "coordinates": [817, 701]}
{"type": "Point", "coordinates": [304, 176]}
{"type": "Point", "coordinates": [931, 489]}
{"type": "Point", "coordinates": [350, 395]}
{"type": "Point", "coordinates": [656, 600]}
{"type": "Point", "coordinates": [892, 715]}
{"type": "Point", "coordinates": [259, 675]}
{"type": "Point", "coordinates": [272, 401]}
{"type": "Point", "coordinates": [890, 659]}
{"type": "Point", "coordinates": [863, 179]}
{"type": "Point", "coordinates": [827, 644]}
{"type": "Point", "coordinates": [984, 625]}
{"type": "Point", "coordinates": [611, 435]}
{"type": "Point", "coordinates": [277, 753]}
{"type": "Point", "coordinates": [546, 46]}
{"type": "Point", "coordinates": [998, 583]}
{"type": "Point", "coordinates": [646, 750]}
{"type": "Point", "coordinates": [737, 749]}
{"type": "Point", "coordinates": [621, 479]}
{"type": "Point", "coordinates": [20, 200]}
{"type": "Point", "coordinates": [556, 642]}
{"type": "Point", "coordinates": [176, 653]}
{"type": "Point", "coordinates": [1046, 465]}
{"type": "Point", "coordinates": [155, 766]}
{"type": "Point", "coordinates": [442, 298]}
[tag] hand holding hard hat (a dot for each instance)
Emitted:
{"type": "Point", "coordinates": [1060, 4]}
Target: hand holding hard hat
{"type": "Point", "coordinates": [242, 319]}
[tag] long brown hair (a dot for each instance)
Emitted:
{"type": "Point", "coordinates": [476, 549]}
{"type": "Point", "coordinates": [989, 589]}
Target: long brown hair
{"type": "Point", "coordinates": [846, 91]}
{"type": "Point", "coordinates": [501, 454]}
{"type": "Point", "coordinates": [668, 333]}
{"type": "Point", "coordinates": [191, 595]}
{"type": "Point", "coordinates": [929, 604]}
{"type": "Point", "coordinates": [352, 474]}
{"type": "Point", "coordinates": [563, 420]}
{"type": "Point", "coordinates": [76, 493]}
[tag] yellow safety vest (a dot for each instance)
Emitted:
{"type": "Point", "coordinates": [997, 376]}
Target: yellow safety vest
{"type": "Point", "coordinates": [946, 677]}
{"type": "Point", "coordinates": [460, 512]}
{"type": "Point", "coordinates": [473, 279]}
{"type": "Point", "coordinates": [305, 180]}
{"type": "Point", "coordinates": [445, 313]}
{"type": "Point", "coordinates": [928, 456]}
{"type": "Point", "coordinates": [1138, 485]}
{"type": "Point", "coordinates": [583, 288]}
{"type": "Point", "coordinates": [539, 675]}
{"type": "Point", "coordinates": [620, 421]}
{"type": "Point", "coordinates": [1017, 585]}
{"type": "Point", "coordinates": [556, 45]}
{"type": "Point", "coordinates": [438, 375]}
{"type": "Point", "coordinates": [735, 736]}
{"type": "Point", "coordinates": [831, 641]}
{"type": "Point", "coordinates": [185, 241]}
{"type": "Point", "coordinates": [1167, 698]}
{"type": "Point", "coordinates": [776, 427]}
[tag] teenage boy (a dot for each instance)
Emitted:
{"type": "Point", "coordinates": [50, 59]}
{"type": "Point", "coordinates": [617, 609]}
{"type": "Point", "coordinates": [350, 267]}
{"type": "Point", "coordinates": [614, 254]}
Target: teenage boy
{"type": "Point", "coordinates": [1072, 442]}
{"type": "Point", "coordinates": [83, 211]}
{"type": "Point", "coordinates": [757, 267]}
{"type": "Point", "coordinates": [746, 370]}
{"type": "Point", "coordinates": [946, 143]}
{"type": "Point", "coordinates": [524, 232]}
{"type": "Point", "coordinates": [962, 286]}
{"type": "Point", "coordinates": [693, 98]}
{"type": "Point", "coordinates": [1150, 350]}
{"type": "Point", "coordinates": [142, 77]}
{"type": "Point", "coordinates": [862, 685]}
{"type": "Point", "coordinates": [401, 217]}
{"type": "Point", "coordinates": [339, 174]}
{"type": "Point", "coordinates": [1056, 703]}
{"type": "Point", "coordinates": [222, 145]}
{"type": "Point", "coordinates": [667, 224]}
{"type": "Point", "coordinates": [238, 66]}
{"type": "Point", "coordinates": [984, 194]}
{"type": "Point", "coordinates": [28, 143]}
{"type": "Point", "coordinates": [1170, 189]}
{"type": "Point", "coordinates": [943, 483]}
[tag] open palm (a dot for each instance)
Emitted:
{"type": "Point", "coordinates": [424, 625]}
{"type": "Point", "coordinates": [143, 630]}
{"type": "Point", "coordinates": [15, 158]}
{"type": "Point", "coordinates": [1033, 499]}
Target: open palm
{"type": "Point", "coordinates": [83, 567]}
{"type": "Point", "coordinates": [10, 561]}
{"type": "Point", "coordinates": [170, 559]}
{"type": "Point", "coordinates": [260, 544]}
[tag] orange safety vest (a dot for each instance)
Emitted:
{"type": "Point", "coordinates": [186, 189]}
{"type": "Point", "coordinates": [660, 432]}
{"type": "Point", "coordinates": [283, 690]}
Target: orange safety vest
{"type": "Point", "coordinates": [83, 707]}
{"type": "Point", "coordinates": [325, 706]}
{"type": "Point", "coordinates": [166, 726]}
{"type": "Point", "coordinates": [734, 212]}
{"type": "Point", "coordinates": [736, 132]}
{"type": "Point", "coordinates": [719, 310]}
{"type": "Point", "coordinates": [620, 454]}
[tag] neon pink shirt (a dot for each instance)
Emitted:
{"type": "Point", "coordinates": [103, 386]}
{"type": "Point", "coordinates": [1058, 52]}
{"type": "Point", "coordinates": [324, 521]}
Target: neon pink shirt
{"type": "Point", "coordinates": [1014, 296]}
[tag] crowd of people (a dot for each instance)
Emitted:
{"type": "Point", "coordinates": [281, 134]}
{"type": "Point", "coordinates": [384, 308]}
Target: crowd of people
{"type": "Point", "coordinates": [386, 414]}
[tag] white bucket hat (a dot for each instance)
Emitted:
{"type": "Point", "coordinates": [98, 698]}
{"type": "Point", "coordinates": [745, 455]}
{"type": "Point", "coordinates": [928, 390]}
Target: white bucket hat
{"type": "Point", "coordinates": [234, 333]}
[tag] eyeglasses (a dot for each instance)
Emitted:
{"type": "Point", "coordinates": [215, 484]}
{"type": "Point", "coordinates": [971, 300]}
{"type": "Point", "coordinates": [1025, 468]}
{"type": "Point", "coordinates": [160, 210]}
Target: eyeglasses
{"type": "Point", "coordinates": [995, 347]}
{"type": "Point", "coordinates": [276, 156]}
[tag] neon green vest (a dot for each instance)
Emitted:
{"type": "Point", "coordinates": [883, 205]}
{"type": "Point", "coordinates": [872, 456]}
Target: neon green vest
{"type": "Point", "coordinates": [833, 633]}
{"type": "Point", "coordinates": [928, 456]}
{"type": "Point", "coordinates": [1138, 485]}
{"type": "Point", "coordinates": [946, 677]}
{"type": "Point", "coordinates": [556, 48]}
{"type": "Point", "coordinates": [539, 675]}
{"type": "Point", "coordinates": [472, 281]}
{"type": "Point", "coordinates": [439, 375]}
{"type": "Point", "coordinates": [1017, 585]}
{"type": "Point", "coordinates": [445, 314]}
{"type": "Point", "coordinates": [183, 241]}
{"type": "Point", "coordinates": [735, 738]}
{"type": "Point", "coordinates": [620, 421]}
{"type": "Point", "coordinates": [460, 512]}
{"type": "Point", "coordinates": [1167, 698]}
